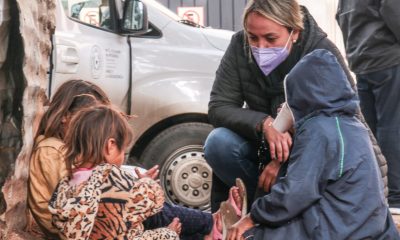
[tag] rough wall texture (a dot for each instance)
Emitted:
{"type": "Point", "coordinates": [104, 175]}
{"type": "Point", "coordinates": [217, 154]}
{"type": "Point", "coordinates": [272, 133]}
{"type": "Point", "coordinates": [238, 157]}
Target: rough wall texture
{"type": "Point", "coordinates": [22, 84]}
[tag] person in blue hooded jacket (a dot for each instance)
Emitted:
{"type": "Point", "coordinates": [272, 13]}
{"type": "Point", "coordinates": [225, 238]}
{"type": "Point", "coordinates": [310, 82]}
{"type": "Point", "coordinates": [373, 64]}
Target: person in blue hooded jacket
{"type": "Point", "coordinates": [332, 188]}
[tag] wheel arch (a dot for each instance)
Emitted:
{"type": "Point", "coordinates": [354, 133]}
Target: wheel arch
{"type": "Point", "coordinates": [141, 144]}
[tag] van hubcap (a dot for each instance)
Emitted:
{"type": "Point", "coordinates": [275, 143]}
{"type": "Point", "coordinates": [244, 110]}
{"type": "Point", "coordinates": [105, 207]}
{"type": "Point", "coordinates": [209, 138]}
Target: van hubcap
{"type": "Point", "coordinates": [186, 177]}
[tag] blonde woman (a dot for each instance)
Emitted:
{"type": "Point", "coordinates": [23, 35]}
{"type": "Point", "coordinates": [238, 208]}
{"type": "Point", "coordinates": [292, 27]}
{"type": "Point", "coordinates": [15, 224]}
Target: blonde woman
{"type": "Point", "coordinates": [276, 35]}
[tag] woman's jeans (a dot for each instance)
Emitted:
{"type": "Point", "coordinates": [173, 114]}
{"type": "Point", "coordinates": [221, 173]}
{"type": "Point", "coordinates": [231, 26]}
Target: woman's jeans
{"type": "Point", "coordinates": [230, 156]}
{"type": "Point", "coordinates": [380, 103]}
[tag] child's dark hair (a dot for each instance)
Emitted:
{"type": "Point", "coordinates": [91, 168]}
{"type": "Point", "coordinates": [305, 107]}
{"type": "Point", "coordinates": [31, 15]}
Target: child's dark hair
{"type": "Point", "coordinates": [51, 122]}
{"type": "Point", "coordinates": [92, 128]}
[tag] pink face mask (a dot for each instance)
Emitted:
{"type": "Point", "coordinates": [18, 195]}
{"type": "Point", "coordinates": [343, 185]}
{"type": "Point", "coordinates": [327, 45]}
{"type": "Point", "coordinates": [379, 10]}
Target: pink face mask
{"type": "Point", "coordinates": [270, 58]}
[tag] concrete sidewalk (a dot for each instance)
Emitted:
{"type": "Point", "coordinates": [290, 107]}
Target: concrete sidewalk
{"type": "Point", "coordinates": [396, 219]}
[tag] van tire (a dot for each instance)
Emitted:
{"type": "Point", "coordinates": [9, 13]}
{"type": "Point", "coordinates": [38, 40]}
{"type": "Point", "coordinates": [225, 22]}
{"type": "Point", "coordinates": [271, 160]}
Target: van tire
{"type": "Point", "coordinates": [184, 174]}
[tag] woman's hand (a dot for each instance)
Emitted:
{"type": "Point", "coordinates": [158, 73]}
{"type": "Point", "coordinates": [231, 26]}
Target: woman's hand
{"type": "Point", "coordinates": [268, 176]}
{"type": "Point", "coordinates": [151, 173]}
{"type": "Point", "coordinates": [279, 143]}
{"type": "Point", "coordinates": [235, 232]}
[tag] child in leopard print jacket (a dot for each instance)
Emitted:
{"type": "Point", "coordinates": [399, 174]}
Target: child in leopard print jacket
{"type": "Point", "coordinates": [99, 200]}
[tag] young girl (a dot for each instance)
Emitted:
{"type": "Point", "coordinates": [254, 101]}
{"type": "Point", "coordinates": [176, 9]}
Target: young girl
{"type": "Point", "coordinates": [98, 200]}
{"type": "Point", "coordinates": [47, 165]}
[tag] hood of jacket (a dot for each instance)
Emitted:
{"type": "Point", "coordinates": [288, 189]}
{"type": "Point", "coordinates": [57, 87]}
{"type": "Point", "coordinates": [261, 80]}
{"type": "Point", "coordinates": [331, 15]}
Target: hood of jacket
{"type": "Point", "coordinates": [318, 85]}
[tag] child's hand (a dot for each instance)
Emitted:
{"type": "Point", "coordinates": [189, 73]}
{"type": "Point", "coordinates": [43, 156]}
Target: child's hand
{"type": "Point", "coordinates": [237, 230]}
{"type": "Point", "coordinates": [176, 226]}
{"type": "Point", "coordinates": [151, 173]}
{"type": "Point", "coordinates": [268, 176]}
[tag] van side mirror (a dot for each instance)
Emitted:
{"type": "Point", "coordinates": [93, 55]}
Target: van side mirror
{"type": "Point", "coordinates": [134, 18]}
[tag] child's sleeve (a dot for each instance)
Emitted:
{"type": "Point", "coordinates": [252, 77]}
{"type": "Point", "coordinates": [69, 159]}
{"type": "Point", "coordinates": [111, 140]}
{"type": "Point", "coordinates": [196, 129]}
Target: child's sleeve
{"type": "Point", "coordinates": [47, 167]}
{"type": "Point", "coordinates": [52, 166]}
{"type": "Point", "coordinates": [300, 187]}
{"type": "Point", "coordinates": [146, 198]}
{"type": "Point", "coordinates": [160, 233]}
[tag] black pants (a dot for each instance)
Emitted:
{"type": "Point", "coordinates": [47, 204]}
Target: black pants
{"type": "Point", "coordinates": [380, 105]}
{"type": "Point", "coordinates": [195, 223]}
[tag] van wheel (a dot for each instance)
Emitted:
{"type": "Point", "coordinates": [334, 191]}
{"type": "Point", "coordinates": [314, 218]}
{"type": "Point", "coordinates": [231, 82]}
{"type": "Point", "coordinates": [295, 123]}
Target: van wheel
{"type": "Point", "coordinates": [185, 176]}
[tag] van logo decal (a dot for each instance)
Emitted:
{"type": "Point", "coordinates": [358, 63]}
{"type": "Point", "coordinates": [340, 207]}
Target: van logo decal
{"type": "Point", "coordinates": [96, 61]}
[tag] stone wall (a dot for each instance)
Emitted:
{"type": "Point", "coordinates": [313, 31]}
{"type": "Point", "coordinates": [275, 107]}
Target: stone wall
{"type": "Point", "coordinates": [23, 80]}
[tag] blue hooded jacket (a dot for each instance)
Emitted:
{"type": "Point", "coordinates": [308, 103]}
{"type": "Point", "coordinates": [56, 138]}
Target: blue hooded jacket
{"type": "Point", "coordinates": [332, 188]}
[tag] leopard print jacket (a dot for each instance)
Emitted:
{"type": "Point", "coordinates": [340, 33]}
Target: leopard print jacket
{"type": "Point", "coordinates": [111, 204]}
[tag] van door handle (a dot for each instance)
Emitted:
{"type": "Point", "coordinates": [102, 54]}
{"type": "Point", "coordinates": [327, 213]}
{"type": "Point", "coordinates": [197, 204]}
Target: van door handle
{"type": "Point", "coordinates": [70, 55]}
{"type": "Point", "coordinates": [70, 59]}
{"type": "Point", "coordinates": [67, 59]}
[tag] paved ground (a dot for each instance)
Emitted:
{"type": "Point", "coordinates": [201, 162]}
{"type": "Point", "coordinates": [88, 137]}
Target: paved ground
{"type": "Point", "coordinates": [36, 233]}
{"type": "Point", "coordinates": [396, 219]}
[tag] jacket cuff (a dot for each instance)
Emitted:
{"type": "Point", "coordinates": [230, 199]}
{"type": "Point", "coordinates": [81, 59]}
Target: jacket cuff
{"type": "Point", "coordinates": [253, 216]}
{"type": "Point", "coordinates": [260, 124]}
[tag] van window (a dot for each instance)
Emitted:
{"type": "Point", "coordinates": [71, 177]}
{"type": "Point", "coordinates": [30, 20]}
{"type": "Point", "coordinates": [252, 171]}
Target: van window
{"type": "Point", "coordinates": [92, 12]}
{"type": "Point", "coordinates": [162, 9]}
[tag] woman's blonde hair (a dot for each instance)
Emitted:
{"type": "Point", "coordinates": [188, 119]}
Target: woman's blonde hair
{"type": "Point", "coordinates": [284, 12]}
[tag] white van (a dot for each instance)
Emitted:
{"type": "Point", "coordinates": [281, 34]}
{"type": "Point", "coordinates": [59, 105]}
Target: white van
{"type": "Point", "coordinates": [162, 75]}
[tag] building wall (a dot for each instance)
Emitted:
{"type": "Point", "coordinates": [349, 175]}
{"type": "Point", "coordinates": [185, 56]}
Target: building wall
{"type": "Point", "coordinates": [227, 14]}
